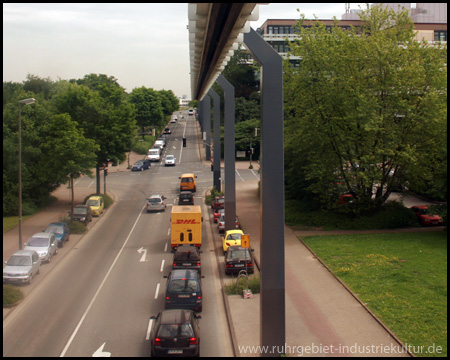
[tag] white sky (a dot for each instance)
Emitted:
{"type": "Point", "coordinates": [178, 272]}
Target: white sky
{"type": "Point", "coordinates": [139, 44]}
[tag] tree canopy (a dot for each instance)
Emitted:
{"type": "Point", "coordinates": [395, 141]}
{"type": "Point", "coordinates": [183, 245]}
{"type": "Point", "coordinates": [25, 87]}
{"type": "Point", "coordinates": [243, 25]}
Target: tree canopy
{"type": "Point", "coordinates": [365, 111]}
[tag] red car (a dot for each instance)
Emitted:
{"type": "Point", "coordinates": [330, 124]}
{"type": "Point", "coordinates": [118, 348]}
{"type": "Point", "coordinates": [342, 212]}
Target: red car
{"type": "Point", "coordinates": [424, 216]}
{"type": "Point", "coordinates": [217, 214]}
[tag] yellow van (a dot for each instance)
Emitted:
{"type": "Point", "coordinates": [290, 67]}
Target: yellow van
{"type": "Point", "coordinates": [188, 182]}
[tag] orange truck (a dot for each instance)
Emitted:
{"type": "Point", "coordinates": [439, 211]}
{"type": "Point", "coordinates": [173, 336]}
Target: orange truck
{"type": "Point", "coordinates": [186, 226]}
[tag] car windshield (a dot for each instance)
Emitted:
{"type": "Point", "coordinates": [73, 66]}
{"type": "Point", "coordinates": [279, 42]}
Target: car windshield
{"type": "Point", "coordinates": [55, 229]}
{"type": "Point", "coordinates": [79, 211]}
{"type": "Point", "coordinates": [424, 211]}
{"type": "Point", "coordinates": [140, 162]}
{"type": "Point", "coordinates": [17, 260]}
{"type": "Point", "coordinates": [169, 157]}
{"type": "Point", "coordinates": [238, 254]}
{"type": "Point", "coordinates": [181, 285]}
{"type": "Point", "coordinates": [175, 330]}
{"type": "Point", "coordinates": [187, 180]}
{"type": "Point", "coordinates": [234, 237]}
{"type": "Point", "coordinates": [93, 203]}
{"type": "Point", "coordinates": [154, 200]}
{"type": "Point", "coordinates": [153, 152]}
{"type": "Point", "coordinates": [37, 241]}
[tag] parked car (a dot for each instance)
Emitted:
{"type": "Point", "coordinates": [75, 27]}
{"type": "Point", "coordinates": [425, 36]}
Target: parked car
{"type": "Point", "coordinates": [21, 266]}
{"type": "Point", "coordinates": [425, 218]}
{"type": "Point", "coordinates": [161, 143]}
{"type": "Point", "coordinates": [238, 258]}
{"type": "Point", "coordinates": [231, 238]}
{"type": "Point", "coordinates": [184, 290]}
{"type": "Point", "coordinates": [156, 203]}
{"type": "Point", "coordinates": [141, 165]}
{"type": "Point", "coordinates": [167, 131]}
{"type": "Point", "coordinates": [218, 202]}
{"type": "Point", "coordinates": [96, 204]}
{"type": "Point", "coordinates": [217, 214]}
{"type": "Point", "coordinates": [186, 198]}
{"type": "Point", "coordinates": [45, 244]}
{"type": "Point", "coordinates": [175, 333]}
{"type": "Point", "coordinates": [187, 257]}
{"type": "Point", "coordinates": [170, 160]}
{"type": "Point", "coordinates": [221, 223]}
{"type": "Point", "coordinates": [82, 213]}
{"type": "Point", "coordinates": [61, 231]}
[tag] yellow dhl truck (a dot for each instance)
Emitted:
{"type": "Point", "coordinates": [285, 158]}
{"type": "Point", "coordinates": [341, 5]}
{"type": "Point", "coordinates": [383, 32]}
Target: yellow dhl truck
{"type": "Point", "coordinates": [186, 226]}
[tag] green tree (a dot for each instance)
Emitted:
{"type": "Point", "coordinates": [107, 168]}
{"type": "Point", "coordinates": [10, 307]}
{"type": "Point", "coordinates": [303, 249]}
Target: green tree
{"type": "Point", "coordinates": [169, 102]}
{"type": "Point", "coordinates": [365, 109]}
{"type": "Point", "coordinates": [149, 110]}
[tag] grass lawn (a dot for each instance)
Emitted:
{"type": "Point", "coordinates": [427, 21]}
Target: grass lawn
{"type": "Point", "coordinates": [402, 278]}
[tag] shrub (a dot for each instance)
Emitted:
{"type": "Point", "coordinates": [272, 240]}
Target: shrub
{"type": "Point", "coordinates": [11, 295]}
{"type": "Point", "coordinates": [236, 286]}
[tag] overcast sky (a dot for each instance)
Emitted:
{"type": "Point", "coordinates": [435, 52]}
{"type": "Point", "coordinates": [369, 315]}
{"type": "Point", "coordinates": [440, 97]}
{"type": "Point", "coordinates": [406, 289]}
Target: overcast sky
{"type": "Point", "coordinates": [139, 44]}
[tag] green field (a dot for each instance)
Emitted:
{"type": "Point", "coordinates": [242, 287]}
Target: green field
{"type": "Point", "coordinates": [402, 278]}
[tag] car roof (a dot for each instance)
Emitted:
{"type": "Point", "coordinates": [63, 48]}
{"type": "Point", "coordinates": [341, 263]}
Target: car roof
{"type": "Point", "coordinates": [42, 234]}
{"type": "Point", "coordinates": [24, 253]}
{"type": "Point", "coordinates": [187, 175]}
{"type": "Point", "coordinates": [94, 197]}
{"type": "Point", "coordinates": [234, 247]}
{"type": "Point", "coordinates": [155, 196]}
{"type": "Point", "coordinates": [175, 316]}
{"type": "Point", "coordinates": [184, 274]}
{"type": "Point", "coordinates": [184, 248]}
{"type": "Point", "coordinates": [81, 206]}
{"type": "Point", "coordinates": [58, 223]}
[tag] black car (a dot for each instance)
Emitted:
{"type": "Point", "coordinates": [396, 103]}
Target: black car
{"type": "Point", "coordinates": [82, 213]}
{"type": "Point", "coordinates": [186, 198]}
{"type": "Point", "coordinates": [184, 290]}
{"type": "Point", "coordinates": [167, 131]}
{"type": "Point", "coordinates": [141, 165]}
{"type": "Point", "coordinates": [187, 257]}
{"type": "Point", "coordinates": [175, 333]}
{"type": "Point", "coordinates": [236, 258]}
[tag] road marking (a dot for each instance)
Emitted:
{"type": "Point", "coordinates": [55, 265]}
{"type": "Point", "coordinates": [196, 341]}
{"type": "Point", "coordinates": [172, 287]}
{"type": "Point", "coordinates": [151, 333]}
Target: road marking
{"type": "Point", "coordinates": [143, 256]}
{"type": "Point", "coordinates": [157, 291]}
{"type": "Point", "coordinates": [101, 353]}
{"type": "Point", "coordinates": [149, 329]}
{"type": "Point", "coordinates": [237, 172]}
{"type": "Point", "coordinates": [162, 265]}
{"type": "Point", "coordinates": [100, 287]}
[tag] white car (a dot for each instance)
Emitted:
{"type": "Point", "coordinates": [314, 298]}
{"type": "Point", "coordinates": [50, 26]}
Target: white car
{"type": "Point", "coordinates": [170, 160]}
{"type": "Point", "coordinates": [21, 266]}
{"type": "Point", "coordinates": [45, 244]}
{"type": "Point", "coordinates": [156, 203]}
{"type": "Point", "coordinates": [161, 143]}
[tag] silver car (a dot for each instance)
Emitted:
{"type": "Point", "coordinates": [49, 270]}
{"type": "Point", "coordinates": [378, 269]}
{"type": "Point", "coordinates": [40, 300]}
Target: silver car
{"type": "Point", "coordinates": [156, 203]}
{"type": "Point", "coordinates": [45, 244]}
{"type": "Point", "coordinates": [21, 266]}
{"type": "Point", "coordinates": [170, 160]}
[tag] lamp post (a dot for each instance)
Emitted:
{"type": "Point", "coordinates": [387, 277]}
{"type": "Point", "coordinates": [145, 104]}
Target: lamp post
{"type": "Point", "coordinates": [25, 102]}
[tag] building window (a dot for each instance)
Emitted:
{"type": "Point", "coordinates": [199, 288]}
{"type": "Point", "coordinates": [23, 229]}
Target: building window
{"type": "Point", "coordinates": [440, 35]}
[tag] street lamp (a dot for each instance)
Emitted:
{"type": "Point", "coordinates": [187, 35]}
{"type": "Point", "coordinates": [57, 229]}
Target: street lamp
{"type": "Point", "coordinates": [25, 102]}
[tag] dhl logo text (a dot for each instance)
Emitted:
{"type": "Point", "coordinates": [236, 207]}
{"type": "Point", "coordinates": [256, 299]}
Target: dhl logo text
{"type": "Point", "coordinates": [186, 222]}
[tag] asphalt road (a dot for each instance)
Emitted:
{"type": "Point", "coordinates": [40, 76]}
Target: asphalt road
{"type": "Point", "coordinates": [97, 300]}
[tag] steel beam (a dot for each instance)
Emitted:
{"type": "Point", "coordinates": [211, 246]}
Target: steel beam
{"type": "Point", "coordinates": [216, 141]}
{"type": "Point", "coordinates": [229, 154]}
{"type": "Point", "coordinates": [273, 320]}
{"type": "Point", "coordinates": [207, 126]}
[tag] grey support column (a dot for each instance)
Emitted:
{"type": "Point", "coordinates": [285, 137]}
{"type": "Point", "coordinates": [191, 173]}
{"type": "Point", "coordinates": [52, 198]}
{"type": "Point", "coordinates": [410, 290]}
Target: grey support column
{"type": "Point", "coordinates": [216, 141]}
{"type": "Point", "coordinates": [207, 126]}
{"type": "Point", "coordinates": [273, 317]}
{"type": "Point", "coordinates": [229, 156]}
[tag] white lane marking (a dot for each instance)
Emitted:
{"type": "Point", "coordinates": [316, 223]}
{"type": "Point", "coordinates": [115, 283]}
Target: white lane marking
{"type": "Point", "coordinates": [157, 291]}
{"type": "Point", "coordinates": [100, 287]}
{"type": "Point", "coordinates": [237, 172]}
{"type": "Point", "coordinates": [149, 329]}
{"type": "Point", "coordinates": [256, 175]}
{"type": "Point", "coordinates": [162, 265]}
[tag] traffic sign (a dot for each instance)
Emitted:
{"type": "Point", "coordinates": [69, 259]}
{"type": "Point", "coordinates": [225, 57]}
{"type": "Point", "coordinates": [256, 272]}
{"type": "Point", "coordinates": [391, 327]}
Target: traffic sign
{"type": "Point", "coordinates": [245, 241]}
